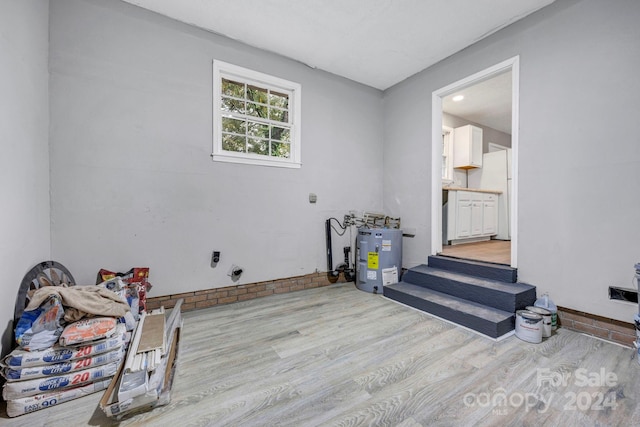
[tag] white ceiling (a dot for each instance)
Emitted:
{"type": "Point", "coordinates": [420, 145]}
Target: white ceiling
{"type": "Point", "coordinates": [487, 103]}
{"type": "Point", "coordinates": [375, 42]}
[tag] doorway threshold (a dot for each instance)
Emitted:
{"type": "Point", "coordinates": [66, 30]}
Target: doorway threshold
{"type": "Point", "coordinates": [493, 251]}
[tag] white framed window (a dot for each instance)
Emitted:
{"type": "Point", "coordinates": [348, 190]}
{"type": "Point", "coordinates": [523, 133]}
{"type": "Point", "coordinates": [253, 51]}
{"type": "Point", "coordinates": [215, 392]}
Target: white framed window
{"type": "Point", "coordinates": [256, 117]}
{"type": "Point", "coordinates": [447, 155]}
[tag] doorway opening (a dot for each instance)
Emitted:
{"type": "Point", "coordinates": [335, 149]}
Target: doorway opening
{"type": "Point", "coordinates": [492, 202]}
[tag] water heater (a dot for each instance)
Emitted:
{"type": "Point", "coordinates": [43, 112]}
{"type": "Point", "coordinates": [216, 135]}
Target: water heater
{"type": "Point", "coordinates": [379, 252]}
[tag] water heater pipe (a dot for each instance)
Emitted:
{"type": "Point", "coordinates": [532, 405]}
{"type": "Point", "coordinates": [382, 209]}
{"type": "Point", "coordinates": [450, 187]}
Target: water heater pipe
{"type": "Point", "coordinates": [327, 229]}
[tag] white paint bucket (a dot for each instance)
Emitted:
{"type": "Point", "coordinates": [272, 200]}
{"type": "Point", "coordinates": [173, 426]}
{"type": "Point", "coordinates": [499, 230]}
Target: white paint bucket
{"type": "Point", "coordinates": [546, 319]}
{"type": "Point", "coordinates": [529, 326]}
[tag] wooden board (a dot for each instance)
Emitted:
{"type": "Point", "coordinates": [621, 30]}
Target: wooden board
{"type": "Point", "coordinates": [152, 333]}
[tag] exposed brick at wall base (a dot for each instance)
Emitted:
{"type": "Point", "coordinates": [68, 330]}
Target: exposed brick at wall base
{"type": "Point", "coordinates": [215, 296]}
{"type": "Point", "coordinates": [602, 327]}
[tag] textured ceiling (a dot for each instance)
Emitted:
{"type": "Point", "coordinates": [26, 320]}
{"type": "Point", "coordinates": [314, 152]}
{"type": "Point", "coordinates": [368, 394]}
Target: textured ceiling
{"type": "Point", "coordinates": [375, 42]}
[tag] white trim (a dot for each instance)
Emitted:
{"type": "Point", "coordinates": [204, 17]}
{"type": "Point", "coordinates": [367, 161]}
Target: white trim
{"type": "Point", "coordinates": [257, 160]}
{"type": "Point", "coordinates": [246, 75]}
{"type": "Point", "coordinates": [448, 135]}
{"type": "Point", "coordinates": [512, 64]}
{"type": "Point", "coordinates": [436, 174]}
{"type": "Point", "coordinates": [515, 144]}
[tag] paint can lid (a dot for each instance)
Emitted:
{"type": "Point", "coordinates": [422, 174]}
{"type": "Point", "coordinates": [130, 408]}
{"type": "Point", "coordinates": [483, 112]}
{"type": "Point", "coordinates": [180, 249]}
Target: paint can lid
{"type": "Point", "coordinates": [529, 315]}
{"type": "Point", "coordinates": [539, 310]}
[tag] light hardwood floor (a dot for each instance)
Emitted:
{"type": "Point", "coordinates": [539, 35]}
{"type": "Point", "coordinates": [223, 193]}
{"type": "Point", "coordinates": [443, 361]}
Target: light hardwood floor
{"type": "Point", "coordinates": [498, 251]}
{"type": "Point", "coordinates": [338, 356]}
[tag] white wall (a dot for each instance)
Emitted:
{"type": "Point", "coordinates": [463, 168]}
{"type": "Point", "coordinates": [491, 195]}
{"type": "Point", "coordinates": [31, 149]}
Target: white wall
{"type": "Point", "coordinates": [24, 164]}
{"type": "Point", "coordinates": [132, 181]}
{"type": "Point", "coordinates": [579, 149]}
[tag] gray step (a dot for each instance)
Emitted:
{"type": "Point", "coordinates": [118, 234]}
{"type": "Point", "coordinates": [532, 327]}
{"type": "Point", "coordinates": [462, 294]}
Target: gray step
{"type": "Point", "coordinates": [493, 293]}
{"type": "Point", "coordinates": [488, 270]}
{"type": "Point", "coordinates": [486, 320]}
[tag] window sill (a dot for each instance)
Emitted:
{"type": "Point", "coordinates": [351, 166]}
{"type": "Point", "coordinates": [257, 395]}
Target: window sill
{"type": "Point", "coordinates": [256, 161]}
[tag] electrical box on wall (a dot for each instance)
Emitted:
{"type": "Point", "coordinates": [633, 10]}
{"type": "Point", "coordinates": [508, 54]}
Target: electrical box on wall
{"type": "Point", "coordinates": [623, 294]}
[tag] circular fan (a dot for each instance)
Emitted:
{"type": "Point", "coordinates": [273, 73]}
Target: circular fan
{"type": "Point", "coordinates": [47, 273]}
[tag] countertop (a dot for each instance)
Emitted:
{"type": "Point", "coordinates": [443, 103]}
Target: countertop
{"type": "Point", "coordinates": [475, 190]}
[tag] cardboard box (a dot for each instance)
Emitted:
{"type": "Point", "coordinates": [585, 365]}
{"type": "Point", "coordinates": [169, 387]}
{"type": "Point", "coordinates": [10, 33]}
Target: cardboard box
{"type": "Point", "coordinates": [160, 381]}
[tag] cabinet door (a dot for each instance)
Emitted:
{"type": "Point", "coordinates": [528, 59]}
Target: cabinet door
{"type": "Point", "coordinates": [467, 147]}
{"type": "Point", "coordinates": [476, 147]}
{"type": "Point", "coordinates": [464, 220]}
{"type": "Point", "coordinates": [490, 215]}
{"type": "Point", "coordinates": [463, 217]}
{"type": "Point", "coordinates": [476, 214]}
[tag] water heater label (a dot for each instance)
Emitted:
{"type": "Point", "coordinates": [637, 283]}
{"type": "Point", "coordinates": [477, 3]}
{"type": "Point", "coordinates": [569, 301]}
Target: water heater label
{"type": "Point", "coordinates": [386, 246]}
{"type": "Point", "coordinates": [389, 276]}
{"type": "Point", "coordinates": [372, 261]}
{"type": "Point", "coordinates": [372, 275]}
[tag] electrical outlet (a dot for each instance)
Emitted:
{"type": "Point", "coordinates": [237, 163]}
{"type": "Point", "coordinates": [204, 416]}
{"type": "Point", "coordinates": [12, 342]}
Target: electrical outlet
{"type": "Point", "coordinates": [234, 271]}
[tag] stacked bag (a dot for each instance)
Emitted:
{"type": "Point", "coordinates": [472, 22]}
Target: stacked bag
{"type": "Point", "coordinates": [44, 378]}
{"type": "Point", "coordinates": [71, 343]}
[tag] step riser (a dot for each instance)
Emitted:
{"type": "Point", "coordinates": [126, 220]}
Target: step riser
{"type": "Point", "coordinates": [490, 297]}
{"type": "Point", "coordinates": [480, 296]}
{"type": "Point", "coordinates": [486, 327]}
{"type": "Point", "coordinates": [478, 269]}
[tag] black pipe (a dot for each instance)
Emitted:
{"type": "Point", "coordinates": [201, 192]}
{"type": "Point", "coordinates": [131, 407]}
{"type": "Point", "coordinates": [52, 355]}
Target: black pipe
{"type": "Point", "coordinates": [327, 229]}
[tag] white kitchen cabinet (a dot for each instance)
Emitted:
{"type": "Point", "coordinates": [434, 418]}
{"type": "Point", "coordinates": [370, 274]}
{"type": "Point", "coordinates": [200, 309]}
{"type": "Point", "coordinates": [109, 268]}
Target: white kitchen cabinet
{"type": "Point", "coordinates": [471, 216]}
{"type": "Point", "coordinates": [467, 147]}
{"type": "Point", "coordinates": [477, 214]}
{"type": "Point", "coordinates": [461, 205]}
{"type": "Point", "coordinates": [490, 214]}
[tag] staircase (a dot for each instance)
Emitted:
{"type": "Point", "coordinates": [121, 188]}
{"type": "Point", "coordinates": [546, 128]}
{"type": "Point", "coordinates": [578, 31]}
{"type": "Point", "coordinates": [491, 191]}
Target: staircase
{"type": "Point", "coordinates": [478, 295]}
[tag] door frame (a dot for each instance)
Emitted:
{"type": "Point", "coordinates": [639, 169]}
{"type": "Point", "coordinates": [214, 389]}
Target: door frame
{"type": "Point", "coordinates": [512, 64]}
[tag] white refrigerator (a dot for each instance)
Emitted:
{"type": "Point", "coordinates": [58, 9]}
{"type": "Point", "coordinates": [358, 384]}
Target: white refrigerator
{"type": "Point", "coordinates": [495, 174]}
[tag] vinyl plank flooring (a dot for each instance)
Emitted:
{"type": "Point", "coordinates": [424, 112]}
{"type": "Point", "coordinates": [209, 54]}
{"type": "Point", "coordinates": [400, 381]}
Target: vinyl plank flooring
{"type": "Point", "coordinates": [337, 356]}
{"type": "Point", "coordinates": [498, 251]}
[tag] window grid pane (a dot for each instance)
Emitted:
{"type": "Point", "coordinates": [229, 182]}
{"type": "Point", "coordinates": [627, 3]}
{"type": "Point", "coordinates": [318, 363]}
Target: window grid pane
{"type": "Point", "coordinates": [280, 149]}
{"type": "Point", "coordinates": [233, 88]}
{"type": "Point", "coordinates": [233, 105]}
{"type": "Point", "coordinates": [255, 120]}
{"type": "Point", "coordinates": [236, 143]}
{"type": "Point", "coordinates": [258, 146]}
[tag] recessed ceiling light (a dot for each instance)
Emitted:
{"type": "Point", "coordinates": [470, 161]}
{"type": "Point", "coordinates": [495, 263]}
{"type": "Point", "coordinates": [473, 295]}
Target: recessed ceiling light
{"type": "Point", "coordinates": [458, 98]}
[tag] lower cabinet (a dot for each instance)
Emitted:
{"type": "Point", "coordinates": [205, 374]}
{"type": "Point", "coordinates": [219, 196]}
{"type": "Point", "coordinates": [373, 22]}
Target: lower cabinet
{"type": "Point", "coordinates": [471, 215]}
{"type": "Point", "coordinates": [490, 214]}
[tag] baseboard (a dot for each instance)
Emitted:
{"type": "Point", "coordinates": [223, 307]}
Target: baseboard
{"type": "Point", "coordinates": [229, 294]}
{"type": "Point", "coordinates": [598, 326]}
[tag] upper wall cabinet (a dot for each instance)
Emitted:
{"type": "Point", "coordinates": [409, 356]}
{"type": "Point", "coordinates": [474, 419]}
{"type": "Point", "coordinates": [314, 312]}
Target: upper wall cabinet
{"type": "Point", "coordinates": [467, 147]}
